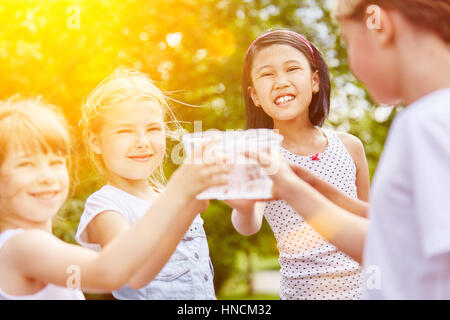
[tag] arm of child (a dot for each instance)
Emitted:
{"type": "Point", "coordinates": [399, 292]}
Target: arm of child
{"type": "Point", "coordinates": [39, 255]}
{"type": "Point", "coordinates": [355, 147]}
{"type": "Point", "coordinates": [247, 215]}
{"type": "Point", "coordinates": [110, 224]}
{"type": "Point", "coordinates": [106, 226]}
{"type": "Point", "coordinates": [344, 229]}
{"type": "Point", "coordinates": [332, 193]}
{"type": "Point", "coordinates": [42, 257]}
{"type": "Point", "coordinates": [166, 247]}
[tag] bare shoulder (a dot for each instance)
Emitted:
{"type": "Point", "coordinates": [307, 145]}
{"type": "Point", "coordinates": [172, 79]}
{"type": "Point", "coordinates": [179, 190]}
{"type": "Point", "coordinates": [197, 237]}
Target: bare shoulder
{"type": "Point", "coordinates": [354, 147]}
{"type": "Point", "coordinates": [352, 143]}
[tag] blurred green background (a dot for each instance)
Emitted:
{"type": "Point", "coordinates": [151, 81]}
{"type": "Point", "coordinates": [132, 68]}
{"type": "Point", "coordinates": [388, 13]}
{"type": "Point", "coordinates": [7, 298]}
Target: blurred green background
{"type": "Point", "coordinates": [194, 50]}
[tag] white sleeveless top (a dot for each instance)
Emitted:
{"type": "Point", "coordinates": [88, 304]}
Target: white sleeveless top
{"type": "Point", "coordinates": [312, 268]}
{"type": "Point", "coordinates": [49, 292]}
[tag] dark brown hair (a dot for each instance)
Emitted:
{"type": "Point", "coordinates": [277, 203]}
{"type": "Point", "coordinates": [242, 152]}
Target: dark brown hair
{"type": "Point", "coordinates": [320, 103]}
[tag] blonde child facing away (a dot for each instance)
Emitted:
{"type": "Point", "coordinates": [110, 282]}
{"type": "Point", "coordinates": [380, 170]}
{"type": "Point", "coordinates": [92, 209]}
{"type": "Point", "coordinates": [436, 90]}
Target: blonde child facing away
{"type": "Point", "coordinates": [34, 184]}
{"type": "Point", "coordinates": [124, 121]}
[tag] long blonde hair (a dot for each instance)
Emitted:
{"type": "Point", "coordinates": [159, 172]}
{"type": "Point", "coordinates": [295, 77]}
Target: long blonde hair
{"type": "Point", "coordinates": [122, 85]}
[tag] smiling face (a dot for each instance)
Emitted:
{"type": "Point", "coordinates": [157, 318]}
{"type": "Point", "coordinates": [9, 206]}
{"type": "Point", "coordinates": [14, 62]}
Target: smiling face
{"type": "Point", "coordinates": [33, 186]}
{"type": "Point", "coordinates": [283, 82]}
{"type": "Point", "coordinates": [131, 141]}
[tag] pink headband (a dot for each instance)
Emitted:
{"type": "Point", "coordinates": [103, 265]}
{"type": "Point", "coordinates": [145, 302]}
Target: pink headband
{"type": "Point", "coordinates": [302, 39]}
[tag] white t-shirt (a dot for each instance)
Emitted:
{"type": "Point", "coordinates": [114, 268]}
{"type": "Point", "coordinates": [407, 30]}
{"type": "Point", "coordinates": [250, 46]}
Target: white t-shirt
{"type": "Point", "coordinates": [407, 253]}
{"type": "Point", "coordinates": [106, 199]}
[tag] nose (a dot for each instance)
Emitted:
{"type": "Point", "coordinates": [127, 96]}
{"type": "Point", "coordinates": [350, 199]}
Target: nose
{"type": "Point", "coordinates": [46, 174]}
{"type": "Point", "coordinates": [142, 141]}
{"type": "Point", "coordinates": [281, 81]}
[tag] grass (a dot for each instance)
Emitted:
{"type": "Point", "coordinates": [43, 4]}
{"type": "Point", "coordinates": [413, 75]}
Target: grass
{"type": "Point", "coordinates": [237, 287]}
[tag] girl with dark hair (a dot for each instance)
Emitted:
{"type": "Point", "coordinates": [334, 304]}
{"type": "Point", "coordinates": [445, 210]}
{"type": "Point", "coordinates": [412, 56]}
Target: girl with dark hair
{"type": "Point", "coordinates": [286, 87]}
{"type": "Point", "coordinates": [400, 49]}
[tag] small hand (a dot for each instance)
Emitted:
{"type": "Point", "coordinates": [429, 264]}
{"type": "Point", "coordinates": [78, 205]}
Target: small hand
{"type": "Point", "coordinates": [200, 171]}
{"type": "Point", "coordinates": [278, 169]}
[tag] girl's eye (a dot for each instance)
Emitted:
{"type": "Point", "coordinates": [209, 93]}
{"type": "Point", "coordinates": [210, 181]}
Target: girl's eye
{"type": "Point", "coordinates": [154, 129]}
{"type": "Point", "coordinates": [124, 131]}
{"type": "Point", "coordinates": [25, 164]}
{"type": "Point", "coordinates": [59, 162]}
{"type": "Point", "coordinates": [266, 74]}
{"type": "Point", "coordinates": [293, 68]}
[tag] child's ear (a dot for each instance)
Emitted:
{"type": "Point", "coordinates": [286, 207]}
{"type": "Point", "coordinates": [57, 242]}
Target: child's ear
{"type": "Point", "coordinates": [315, 82]}
{"type": "Point", "coordinates": [382, 23]}
{"type": "Point", "coordinates": [94, 143]}
{"type": "Point", "coordinates": [254, 96]}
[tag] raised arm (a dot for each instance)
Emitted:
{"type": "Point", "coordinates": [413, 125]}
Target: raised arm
{"type": "Point", "coordinates": [167, 246]}
{"type": "Point", "coordinates": [40, 256]}
{"type": "Point", "coordinates": [247, 215]}
{"type": "Point", "coordinates": [332, 193]}
{"type": "Point", "coordinates": [347, 231]}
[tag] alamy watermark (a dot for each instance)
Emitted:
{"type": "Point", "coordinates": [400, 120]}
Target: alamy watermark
{"type": "Point", "coordinates": [230, 146]}
{"type": "Point", "coordinates": [74, 279]}
{"type": "Point", "coordinates": [374, 20]}
{"type": "Point", "coordinates": [372, 277]}
{"type": "Point", "coordinates": [74, 19]}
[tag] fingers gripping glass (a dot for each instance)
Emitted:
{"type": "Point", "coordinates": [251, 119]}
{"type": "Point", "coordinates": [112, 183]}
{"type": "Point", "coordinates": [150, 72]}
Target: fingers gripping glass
{"type": "Point", "coordinates": [247, 180]}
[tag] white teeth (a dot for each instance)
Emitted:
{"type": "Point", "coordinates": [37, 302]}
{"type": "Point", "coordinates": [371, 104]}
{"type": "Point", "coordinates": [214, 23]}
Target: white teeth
{"type": "Point", "coordinates": [284, 99]}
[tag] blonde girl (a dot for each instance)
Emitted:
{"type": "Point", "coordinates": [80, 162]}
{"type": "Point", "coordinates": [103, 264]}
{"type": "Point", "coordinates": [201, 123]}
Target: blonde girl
{"type": "Point", "coordinates": [34, 184]}
{"type": "Point", "coordinates": [125, 127]}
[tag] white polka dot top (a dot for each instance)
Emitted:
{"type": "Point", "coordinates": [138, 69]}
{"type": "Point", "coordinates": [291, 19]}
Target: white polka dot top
{"type": "Point", "coordinates": [312, 268]}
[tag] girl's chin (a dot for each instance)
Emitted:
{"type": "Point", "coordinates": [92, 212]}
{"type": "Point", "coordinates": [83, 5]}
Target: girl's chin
{"type": "Point", "coordinates": [287, 114]}
{"type": "Point", "coordinates": [138, 176]}
{"type": "Point", "coordinates": [134, 174]}
{"type": "Point", "coordinates": [285, 117]}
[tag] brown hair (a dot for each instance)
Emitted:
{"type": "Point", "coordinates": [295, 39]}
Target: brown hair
{"type": "Point", "coordinates": [432, 15]}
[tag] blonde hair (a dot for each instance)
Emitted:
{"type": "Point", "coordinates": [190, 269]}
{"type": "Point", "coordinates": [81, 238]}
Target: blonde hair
{"type": "Point", "coordinates": [122, 85]}
{"type": "Point", "coordinates": [33, 125]}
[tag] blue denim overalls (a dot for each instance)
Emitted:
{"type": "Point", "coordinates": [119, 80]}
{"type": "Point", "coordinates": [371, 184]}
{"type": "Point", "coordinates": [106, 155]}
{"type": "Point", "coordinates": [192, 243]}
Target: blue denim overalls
{"type": "Point", "coordinates": [188, 275]}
